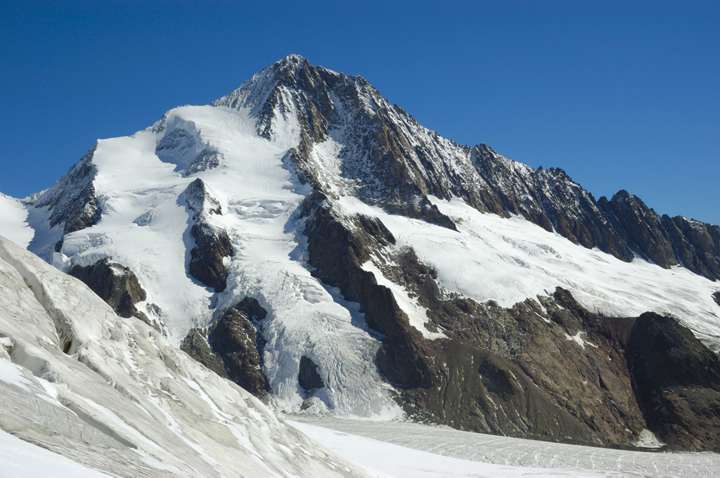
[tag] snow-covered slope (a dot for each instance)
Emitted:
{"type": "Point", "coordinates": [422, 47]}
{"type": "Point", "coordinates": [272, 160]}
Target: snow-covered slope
{"type": "Point", "coordinates": [20, 458]}
{"type": "Point", "coordinates": [13, 221]}
{"type": "Point", "coordinates": [144, 225]}
{"type": "Point", "coordinates": [112, 394]}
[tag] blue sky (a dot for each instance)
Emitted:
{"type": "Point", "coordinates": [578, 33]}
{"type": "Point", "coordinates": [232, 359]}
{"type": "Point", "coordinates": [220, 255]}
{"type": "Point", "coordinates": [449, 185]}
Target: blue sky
{"type": "Point", "coordinates": [619, 94]}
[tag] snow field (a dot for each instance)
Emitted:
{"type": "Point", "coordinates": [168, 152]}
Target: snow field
{"type": "Point", "coordinates": [13, 221]}
{"type": "Point", "coordinates": [511, 456]}
{"type": "Point", "coordinates": [511, 259]}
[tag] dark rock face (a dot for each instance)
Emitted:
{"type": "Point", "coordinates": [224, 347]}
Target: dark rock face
{"type": "Point", "coordinates": [545, 369]}
{"type": "Point", "coordinates": [115, 284]}
{"type": "Point", "coordinates": [337, 253]}
{"type": "Point", "coordinates": [664, 240]}
{"type": "Point", "coordinates": [72, 200]}
{"type": "Point", "coordinates": [196, 345]}
{"type": "Point", "coordinates": [716, 296]}
{"type": "Point", "coordinates": [696, 244]}
{"type": "Point", "coordinates": [210, 244]}
{"type": "Point", "coordinates": [308, 376]}
{"type": "Point", "coordinates": [234, 338]}
{"type": "Point", "coordinates": [206, 258]}
{"type": "Point", "coordinates": [642, 228]}
{"type": "Point", "coordinates": [232, 346]}
{"type": "Point", "coordinates": [677, 381]}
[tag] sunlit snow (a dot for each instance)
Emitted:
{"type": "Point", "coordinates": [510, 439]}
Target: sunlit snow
{"type": "Point", "coordinates": [510, 259]}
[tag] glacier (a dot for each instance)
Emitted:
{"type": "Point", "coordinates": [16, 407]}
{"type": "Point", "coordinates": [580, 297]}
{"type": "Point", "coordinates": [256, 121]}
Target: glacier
{"type": "Point", "coordinates": [114, 395]}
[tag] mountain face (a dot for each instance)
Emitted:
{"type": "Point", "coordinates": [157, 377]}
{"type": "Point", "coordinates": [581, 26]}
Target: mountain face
{"type": "Point", "coordinates": [309, 240]}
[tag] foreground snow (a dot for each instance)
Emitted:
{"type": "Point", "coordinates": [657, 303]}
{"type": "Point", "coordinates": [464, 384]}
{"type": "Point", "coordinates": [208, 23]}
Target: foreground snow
{"type": "Point", "coordinates": [403, 449]}
{"type": "Point", "coordinates": [20, 458]}
{"type": "Point", "coordinates": [385, 460]}
{"type": "Point", "coordinates": [112, 394]}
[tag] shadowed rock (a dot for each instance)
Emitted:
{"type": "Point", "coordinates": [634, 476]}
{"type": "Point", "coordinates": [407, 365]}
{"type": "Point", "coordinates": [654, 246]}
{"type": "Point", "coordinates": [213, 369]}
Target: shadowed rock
{"type": "Point", "coordinates": [232, 346]}
{"type": "Point", "coordinates": [114, 283]}
{"type": "Point", "coordinates": [308, 376]}
{"type": "Point", "coordinates": [677, 382]}
{"type": "Point", "coordinates": [206, 257]}
{"type": "Point", "coordinates": [196, 345]}
{"type": "Point", "coordinates": [209, 244]}
{"type": "Point", "coordinates": [72, 200]}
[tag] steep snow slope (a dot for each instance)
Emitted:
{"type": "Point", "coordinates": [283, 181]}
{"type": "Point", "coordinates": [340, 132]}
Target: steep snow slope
{"type": "Point", "coordinates": [144, 225]}
{"type": "Point", "coordinates": [112, 394]}
{"type": "Point", "coordinates": [13, 221]}
{"type": "Point", "coordinates": [510, 259]}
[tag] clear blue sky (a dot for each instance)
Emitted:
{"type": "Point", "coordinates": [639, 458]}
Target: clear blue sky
{"type": "Point", "coordinates": [619, 94]}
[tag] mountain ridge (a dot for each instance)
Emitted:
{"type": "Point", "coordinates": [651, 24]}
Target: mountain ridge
{"type": "Point", "coordinates": [497, 184]}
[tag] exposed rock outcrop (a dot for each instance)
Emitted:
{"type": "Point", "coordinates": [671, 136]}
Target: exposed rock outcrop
{"type": "Point", "coordinates": [196, 345]}
{"type": "Point", "coordinates": [664, 240]}
{"type": "Point", "coordinates": [72, 201]}
{"type": "Point", "coordinates": [206, 257]}
{"type": "Point", "coordinates": [677, 382]}
{"type": "Point", "coordinates": [232, 346]}
{"type": "Point", "coordinates": [115, 284]}
{"type": "Point", "coordinates": [235, 340]}
{"type": "Point", "coordinates": [209, 244]}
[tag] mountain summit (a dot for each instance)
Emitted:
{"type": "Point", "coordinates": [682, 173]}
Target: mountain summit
{"type": "Point", "coordinates": [309, 240]}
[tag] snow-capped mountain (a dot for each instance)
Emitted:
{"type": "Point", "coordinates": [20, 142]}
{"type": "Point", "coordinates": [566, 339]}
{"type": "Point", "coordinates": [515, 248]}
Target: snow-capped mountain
{"type": "Point", "coordinates": [312, 242]}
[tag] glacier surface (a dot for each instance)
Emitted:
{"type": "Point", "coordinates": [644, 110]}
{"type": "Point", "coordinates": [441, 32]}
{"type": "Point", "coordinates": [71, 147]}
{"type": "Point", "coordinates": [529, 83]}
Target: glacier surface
{"type": "Point", "coordinates": [114, 395]}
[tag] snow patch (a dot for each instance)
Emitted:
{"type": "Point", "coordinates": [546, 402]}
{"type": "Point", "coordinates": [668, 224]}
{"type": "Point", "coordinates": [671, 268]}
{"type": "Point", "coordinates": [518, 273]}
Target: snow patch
{"type": "Point", "coordinates": [417, 315]}
{"type": "Point", "coordinates": [14, 221]}
{"type": "Point", "coordinates": [20, 458]}
{"type": "Point", "coordinates": [578, 339]}
{"type": "Point", "coordinates": [647, 439]}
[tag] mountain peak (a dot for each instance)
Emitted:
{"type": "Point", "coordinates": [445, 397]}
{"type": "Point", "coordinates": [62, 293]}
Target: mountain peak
{"type": "Point", "coordinates": [292, 58]}
{"type": "Point", "coordinates": [275, 85]}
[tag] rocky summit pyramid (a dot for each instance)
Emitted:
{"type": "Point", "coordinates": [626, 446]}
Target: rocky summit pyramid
{"type": "Point", "coordinates": [312, 242]}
